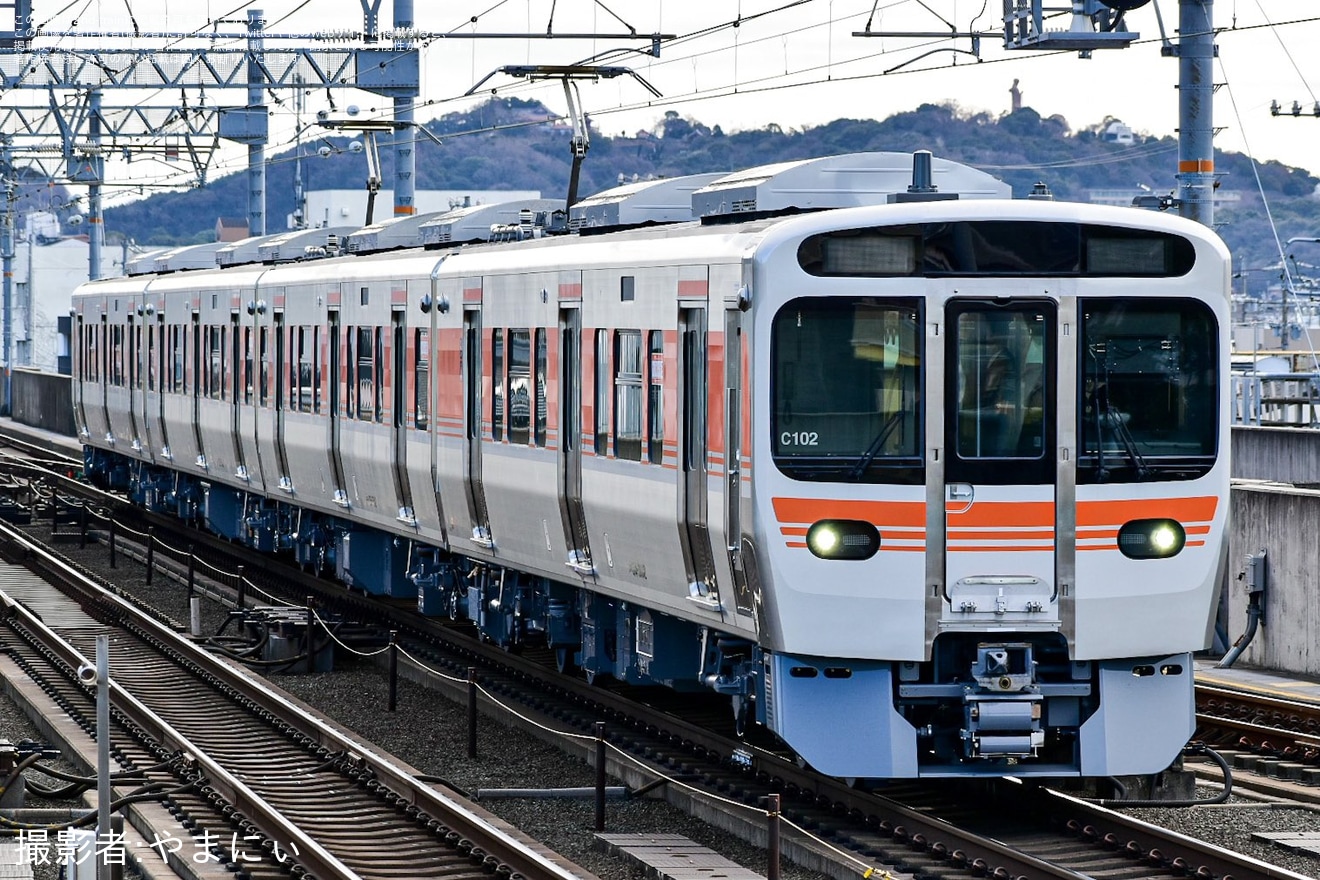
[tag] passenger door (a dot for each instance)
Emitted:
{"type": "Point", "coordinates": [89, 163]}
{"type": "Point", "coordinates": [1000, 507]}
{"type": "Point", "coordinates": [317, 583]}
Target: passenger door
{"type": "Point", "coordinates": [694, 394]}
{"type": "Point", "coordinates": [338, 380]}
{"type": "Point", "coordinates": [473, 382]}
{"type": "Point", "coordinates": [398, 373]}
{"type": "Point", "coordinates": [1000, 469]}
{"type": "Point", "coordinates": [157, 374]}
{"type": "Point", "coordinates": [570, 439]}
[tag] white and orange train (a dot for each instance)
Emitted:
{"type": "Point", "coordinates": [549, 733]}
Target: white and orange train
{"type": "Point", "coordinates": [927, 480]}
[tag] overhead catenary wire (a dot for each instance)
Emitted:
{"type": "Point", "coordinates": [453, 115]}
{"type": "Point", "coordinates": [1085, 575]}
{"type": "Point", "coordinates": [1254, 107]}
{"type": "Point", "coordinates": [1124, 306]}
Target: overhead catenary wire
{"type": "Point", "coordinates": [1286, 52]}
{"type": "Point", "coordinates": [792, 79]}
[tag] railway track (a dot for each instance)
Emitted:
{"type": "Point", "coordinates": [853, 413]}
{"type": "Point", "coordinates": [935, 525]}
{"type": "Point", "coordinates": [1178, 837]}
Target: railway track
{"type": "Point", "coordinates": [271, 789]}
{"type": "Point", "coordinates": [948, 830]}
{"type": "Point", "coordinates": [1260, 721]}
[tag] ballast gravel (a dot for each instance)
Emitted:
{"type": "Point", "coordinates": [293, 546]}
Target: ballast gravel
{"type": "Point", "coordinates": [430, 732]}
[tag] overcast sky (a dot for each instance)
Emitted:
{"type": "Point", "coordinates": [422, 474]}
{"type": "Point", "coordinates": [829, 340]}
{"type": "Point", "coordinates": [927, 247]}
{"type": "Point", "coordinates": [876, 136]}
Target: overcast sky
{"type": "Point", "coordinates": [795, 64]}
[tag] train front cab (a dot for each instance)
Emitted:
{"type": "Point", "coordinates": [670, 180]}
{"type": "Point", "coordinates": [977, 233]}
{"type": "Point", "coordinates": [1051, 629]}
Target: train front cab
{"type": "Point", "coordinates": [995, 517]}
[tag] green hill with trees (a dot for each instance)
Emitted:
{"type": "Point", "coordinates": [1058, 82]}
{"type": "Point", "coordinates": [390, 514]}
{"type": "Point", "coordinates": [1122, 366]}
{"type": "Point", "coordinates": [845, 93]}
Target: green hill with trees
{"type": "Point", "coordinates": [512, 144]}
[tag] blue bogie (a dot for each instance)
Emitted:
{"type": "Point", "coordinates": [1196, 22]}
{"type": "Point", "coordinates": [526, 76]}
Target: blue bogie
{"type": "Point", "coordinates": [223, 511]}
{"type": "Point", "coordinates": [374, 562]}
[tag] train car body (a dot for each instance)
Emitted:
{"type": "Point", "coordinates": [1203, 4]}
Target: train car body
{"type": "Point", "coordinates": [932, 487]}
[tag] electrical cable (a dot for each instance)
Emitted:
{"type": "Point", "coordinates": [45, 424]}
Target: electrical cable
{"type": "Point", "coordinates": [1284, 47]}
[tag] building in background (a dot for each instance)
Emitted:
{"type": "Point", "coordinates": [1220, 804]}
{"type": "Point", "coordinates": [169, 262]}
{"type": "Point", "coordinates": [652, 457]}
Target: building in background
{"type": "Point", "coordinates": [231, 228]}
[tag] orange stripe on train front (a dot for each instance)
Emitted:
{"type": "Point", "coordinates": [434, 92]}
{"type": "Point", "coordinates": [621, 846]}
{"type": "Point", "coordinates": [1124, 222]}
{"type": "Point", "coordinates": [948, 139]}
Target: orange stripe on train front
{"type": "Point", "coordinates": [1002, 514]}
{"type": "Point", "coordinates": [1111, 513]}
{"type": "Point", "coordinates": [888, 513]}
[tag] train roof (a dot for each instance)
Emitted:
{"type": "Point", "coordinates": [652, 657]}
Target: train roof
{"type": "Point", "coordinates": [641, 222]}
{"type": "Point", "coordinates": [642, 202]}
{"type": "Point", "coordinates": [847, 181]}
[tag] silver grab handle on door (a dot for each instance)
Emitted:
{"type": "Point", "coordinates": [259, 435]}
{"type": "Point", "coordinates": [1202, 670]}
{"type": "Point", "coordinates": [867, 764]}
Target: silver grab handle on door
{"type": "Point", "coordinates": [963, 493]}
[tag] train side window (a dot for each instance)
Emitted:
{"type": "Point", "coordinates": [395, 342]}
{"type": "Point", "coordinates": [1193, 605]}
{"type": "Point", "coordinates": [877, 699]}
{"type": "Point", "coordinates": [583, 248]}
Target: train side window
{"type": "Point", "coordinates": [281, 358]}
{"type": "Point", "coordinates": [131, 357]}
{"type": "Point", "coordinates": [249, 368]}
{"type": "Point", "coordinates": [151, 357]}
{"type": "Point", "coordinates": [602, 374]}
{"type": "Point", "coordinates": [194, 378]}
{"type": "Point", "coordinates": [497, 385]}
{"type": "Point", "coordinates": [93, 352]}
{"type": "Point", "coordinates": [316, 369]}
{"type": "Point", "coordinates": [180, 359]}
{"type": "Point", "coordinates": [295, 350]}
{"type": "Point", "coordinates": [366, 374]}
{"type": "Point", "coordinates": [240, 349]}
{"type": "Point", "coordinates": [541, 407]}
{"type": "Point", "coordinates": [176, 359]}
{"type": "Point", "coordinates": [519, 386]}
{"type": "Point", "coordinates": [217, 360]}
{"type": "Point", "coordinates": [655, 371]}
{"type": "Point", "coordinates": [263, 380]}
{"type": "Point", "coordinates": [378, 381]}
{"type": "Point", "coordinates": [350, 376]}
{"type": "Point", "coordinates": [628, 395]}
{"type": "Point", "coordinates": [302, 351]}
{"type": "Point", "coordinates": [422, 378]}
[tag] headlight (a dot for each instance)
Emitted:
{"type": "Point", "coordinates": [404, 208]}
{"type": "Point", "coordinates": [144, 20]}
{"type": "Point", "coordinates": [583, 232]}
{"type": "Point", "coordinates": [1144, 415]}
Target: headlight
{"type": "Point", "coordinates": [843, 539]}
{"type": "Point", "coordinates": [1151, 538]}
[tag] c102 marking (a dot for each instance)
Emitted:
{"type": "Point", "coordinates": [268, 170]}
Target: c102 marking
{"type": "Point", "coordinates": [799, 438]}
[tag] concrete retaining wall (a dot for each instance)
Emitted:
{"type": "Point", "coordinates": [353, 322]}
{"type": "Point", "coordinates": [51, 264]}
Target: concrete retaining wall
{"type": "Point", "coordinates": [42, 400]}
{"type": "Point", "coordinates": [1284, 455]}
{"type": "Point", "coordinates": [1284, 521]}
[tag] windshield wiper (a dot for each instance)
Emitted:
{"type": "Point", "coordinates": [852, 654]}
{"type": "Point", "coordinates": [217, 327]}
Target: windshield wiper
{"type": "Point", "coordinates": [1106, 414]}
{"type": "Point", "coordinates": [886, 430]}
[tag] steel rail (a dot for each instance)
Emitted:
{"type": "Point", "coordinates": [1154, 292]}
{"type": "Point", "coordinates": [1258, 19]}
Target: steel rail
{"type": "Point", "coordinates": [1092, 821]}
{"type": "Point", "coordinates": [507, 849]}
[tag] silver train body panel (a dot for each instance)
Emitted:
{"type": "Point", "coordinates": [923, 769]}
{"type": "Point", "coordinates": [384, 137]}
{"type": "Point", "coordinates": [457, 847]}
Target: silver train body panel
{"type": "Point", "coordinates": [610, 415]}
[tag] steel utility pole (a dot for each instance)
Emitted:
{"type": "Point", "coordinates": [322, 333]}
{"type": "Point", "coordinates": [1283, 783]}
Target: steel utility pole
{"type": "Point", "coordinates": [256, 145]}
{"type": "Point", "coordinates": [96, 176]}
{"type": "Point", "coordinates": [405, 149]}
{"type": "Point", "coordinates": [71, 82]}
{"type": "Point", "coordinates": [7, 260]}
{"type": "Point", "coordinates": [1196, 89]}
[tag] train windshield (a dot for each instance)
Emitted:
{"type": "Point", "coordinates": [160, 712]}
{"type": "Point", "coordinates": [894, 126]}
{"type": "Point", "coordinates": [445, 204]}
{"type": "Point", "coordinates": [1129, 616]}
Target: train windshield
{"type": "Point", "coordinates": [1001, 390]}
{"type": "Point", "coordinates": [847, 380]}
{"type": "Point", "coordinates": [1148, 393]}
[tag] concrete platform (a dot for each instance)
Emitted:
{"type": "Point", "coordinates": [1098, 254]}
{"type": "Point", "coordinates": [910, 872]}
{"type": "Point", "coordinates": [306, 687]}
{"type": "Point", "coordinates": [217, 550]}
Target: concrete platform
{"type": "Point", "coordinates": [673, 857]}
{"type": "Point", "coordinates": [47, 439]}
{"type": "Point", "coordinates": [1265, 682]}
